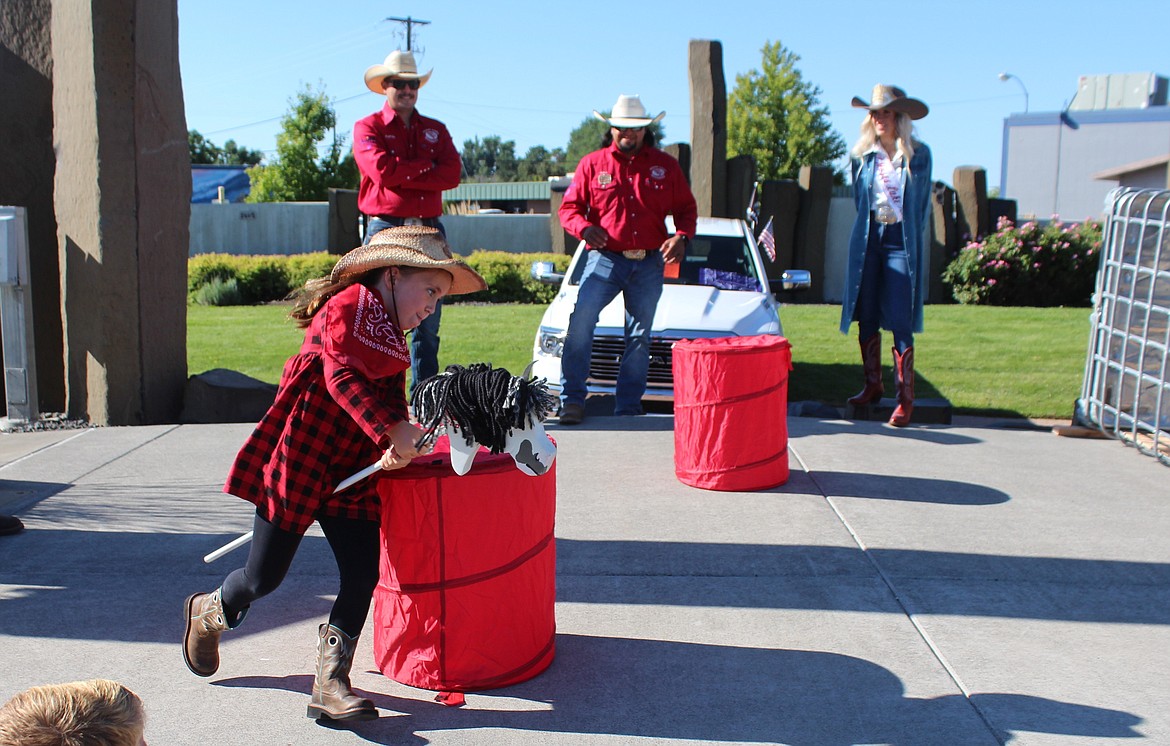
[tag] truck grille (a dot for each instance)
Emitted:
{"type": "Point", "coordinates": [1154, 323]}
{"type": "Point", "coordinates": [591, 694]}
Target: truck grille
{"type": "Point", "coordinates": [607, 355]}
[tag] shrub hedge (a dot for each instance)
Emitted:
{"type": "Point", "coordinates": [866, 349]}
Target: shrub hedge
{"type": "Point", "coordinates": [1028, 265]}
{"type": "Point", "coordinates": [266, 278]}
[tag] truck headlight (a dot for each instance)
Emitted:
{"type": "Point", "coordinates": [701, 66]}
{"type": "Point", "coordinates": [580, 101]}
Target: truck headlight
{"type": "Point", "coordinates": [551, 343]}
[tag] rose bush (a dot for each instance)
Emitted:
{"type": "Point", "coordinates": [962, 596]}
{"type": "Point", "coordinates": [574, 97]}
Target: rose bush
{"type": "Point", "coordinates": [1028, 265]}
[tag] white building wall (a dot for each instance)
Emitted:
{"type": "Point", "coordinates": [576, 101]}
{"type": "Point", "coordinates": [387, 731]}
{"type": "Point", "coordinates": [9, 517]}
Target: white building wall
{"type": "Point", "coordinates": [521, 234]}
{"type": "Point", "coordinates": [1050, 158]}
{"type": "Point", "coordinates": [842, 213]}
{"type": "Point", "coordinates": [265, 228]}
{"type": "Point", "coordinates": [303, 227]}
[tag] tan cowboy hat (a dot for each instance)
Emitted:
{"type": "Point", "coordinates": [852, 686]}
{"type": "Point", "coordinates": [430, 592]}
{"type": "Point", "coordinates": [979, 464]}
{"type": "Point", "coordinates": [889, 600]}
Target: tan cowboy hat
{"type": "Point", "coordinates": [628, 112]}
{"type": "Point", "coordinates": [895, 99]}
{"type": "Point", "coordinates": [409, 246]}
{"type": "Point", "coordinates": [398, 65]}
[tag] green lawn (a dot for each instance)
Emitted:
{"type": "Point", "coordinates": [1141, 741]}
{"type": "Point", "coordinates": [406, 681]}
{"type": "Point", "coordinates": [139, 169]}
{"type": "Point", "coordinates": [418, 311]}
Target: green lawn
{"type": "Point", "coordinates": [1008, 362]}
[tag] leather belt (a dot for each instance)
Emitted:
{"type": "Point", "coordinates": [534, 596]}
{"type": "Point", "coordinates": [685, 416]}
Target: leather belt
{"type": "Point", "coordinates": [635, 254]}
{"type": "Point", "coordinates": [393, 220]}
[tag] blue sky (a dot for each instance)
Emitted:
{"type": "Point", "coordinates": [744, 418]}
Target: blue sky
{"type": "Point", "coordinates": [531, 71]}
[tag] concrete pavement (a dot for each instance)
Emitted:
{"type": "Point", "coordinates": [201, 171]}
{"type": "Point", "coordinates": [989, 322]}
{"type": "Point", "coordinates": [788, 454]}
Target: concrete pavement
{"type": "Point", "coordinates": [963, 584]}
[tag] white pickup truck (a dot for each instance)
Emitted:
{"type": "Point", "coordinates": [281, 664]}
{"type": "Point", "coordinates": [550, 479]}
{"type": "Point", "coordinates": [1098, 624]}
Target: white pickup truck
{"type": "Point", "coordinates": [722, 290]}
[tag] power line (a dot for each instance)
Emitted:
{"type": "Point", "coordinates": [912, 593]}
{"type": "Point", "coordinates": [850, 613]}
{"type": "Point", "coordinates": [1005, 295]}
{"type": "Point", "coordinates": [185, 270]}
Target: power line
{"type": "Point", "coordinates": [279, 65]}
{"type": "Point", "coordinates": [244, 126]}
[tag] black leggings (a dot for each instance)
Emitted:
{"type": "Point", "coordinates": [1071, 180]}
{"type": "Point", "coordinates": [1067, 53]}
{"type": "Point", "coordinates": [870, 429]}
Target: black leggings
{"type": "Point", "coordinates": [355, 545]}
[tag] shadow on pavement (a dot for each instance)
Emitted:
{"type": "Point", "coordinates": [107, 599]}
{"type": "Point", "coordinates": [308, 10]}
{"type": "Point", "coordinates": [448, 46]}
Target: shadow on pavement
{"type": "Point", "coordinates": [43, 577]}
{"type": "Point", "coordinates": [17, 495]}
{"type": "Point", "coordinates": [652, 572]}
{"type": "Point", "coordinates": [715, 693]}
{"type": "Point", "coordinates": [885, 487]}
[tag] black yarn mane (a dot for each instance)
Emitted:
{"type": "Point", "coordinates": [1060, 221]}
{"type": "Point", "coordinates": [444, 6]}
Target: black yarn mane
{"type": "Point", "coordinates": [485, 403]}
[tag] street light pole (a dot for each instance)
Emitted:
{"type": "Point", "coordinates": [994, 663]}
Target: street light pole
{"type": "Point", "coordinates": [1004, 77]}
{"type": "Point", "coordinates": [408, 22]}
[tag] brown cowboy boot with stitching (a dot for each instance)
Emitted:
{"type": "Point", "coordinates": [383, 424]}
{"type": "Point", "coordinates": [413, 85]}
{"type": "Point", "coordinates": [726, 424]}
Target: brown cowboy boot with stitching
{"type": "Point", "coordinates": [904, 379]}
{"type": "Point", "coordinates": [332, 697]}
{"type": "Point", "coordinates": [206, 621]}
{"type": "Point", "coordinates": [871, 364]}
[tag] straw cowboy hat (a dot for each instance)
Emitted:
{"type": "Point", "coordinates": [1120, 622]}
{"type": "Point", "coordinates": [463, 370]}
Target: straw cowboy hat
{"type": "Point", "coordinates": [895, 99]}
{"type": "Point", "coordinates": [628, 112]}
{"type": "Point", "coordinates": [409, 246]}
{"type": "Point", "coordinates": [398, 65]}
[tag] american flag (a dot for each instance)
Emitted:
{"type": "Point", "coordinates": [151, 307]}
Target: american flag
{"type": "Point", "coordinates": [768, 240]}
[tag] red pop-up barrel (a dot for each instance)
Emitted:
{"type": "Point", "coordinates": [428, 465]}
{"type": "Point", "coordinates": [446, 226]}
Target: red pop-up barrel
{"type": "Point", "coordinates": [731, 412]}
{"type": "Point", "coordinates": [468, 574]}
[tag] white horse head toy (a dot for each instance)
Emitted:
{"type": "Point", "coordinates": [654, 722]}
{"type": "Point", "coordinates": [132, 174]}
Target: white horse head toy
{"type": "Point", "coordinates": [479, 405]}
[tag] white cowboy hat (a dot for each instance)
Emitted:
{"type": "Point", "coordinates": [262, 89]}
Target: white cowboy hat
{"type": "Point", "coordinates": [628, 112]}
{"type": "Point", "coordinates": [398, 65]}
{"type": "Point", "coordinates": [892, 98]}
{"type": "Point", "coordinates": [409, 246]}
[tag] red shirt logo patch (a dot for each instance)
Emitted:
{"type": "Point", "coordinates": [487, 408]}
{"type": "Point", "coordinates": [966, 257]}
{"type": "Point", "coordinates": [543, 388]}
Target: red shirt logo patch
{"type": "Point", "coordinates": [657, 172]}
{"type": "Point", "coordinates": [431, 136]}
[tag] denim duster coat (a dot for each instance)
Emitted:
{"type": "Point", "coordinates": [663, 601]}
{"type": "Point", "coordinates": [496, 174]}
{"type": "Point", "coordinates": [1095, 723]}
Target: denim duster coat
{"type": "Point", "coordinates": [916, 186]}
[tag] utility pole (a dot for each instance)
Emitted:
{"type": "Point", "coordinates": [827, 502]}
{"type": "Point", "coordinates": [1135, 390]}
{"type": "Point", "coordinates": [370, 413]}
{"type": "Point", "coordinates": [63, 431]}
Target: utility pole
{"type": "Point", "coordinates": [408, 22]}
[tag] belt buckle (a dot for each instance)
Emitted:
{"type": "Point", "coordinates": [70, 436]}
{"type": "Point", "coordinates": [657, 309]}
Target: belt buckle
{"type": "Point", "coordinates": [886, 215]}
{"type": "Point", "coordinates": [636, 255]}
{"type": "Point", "coordinates": [412, 221]}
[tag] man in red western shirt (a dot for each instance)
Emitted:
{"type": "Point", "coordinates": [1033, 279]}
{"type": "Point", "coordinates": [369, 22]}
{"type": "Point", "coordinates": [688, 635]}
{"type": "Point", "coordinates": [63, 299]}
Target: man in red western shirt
{"type": "Point", "coordinates": [618, 203]}
{"type": "Point", "coordinates": [406, 161]}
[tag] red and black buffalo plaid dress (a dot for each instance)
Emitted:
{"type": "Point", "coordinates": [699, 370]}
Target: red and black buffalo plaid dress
{"type": "Point", "coordinates": [337, 401]}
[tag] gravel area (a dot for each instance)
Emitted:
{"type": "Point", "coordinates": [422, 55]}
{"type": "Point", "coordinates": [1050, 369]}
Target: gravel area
{"type": "Point", "coordinates": [46, 421]}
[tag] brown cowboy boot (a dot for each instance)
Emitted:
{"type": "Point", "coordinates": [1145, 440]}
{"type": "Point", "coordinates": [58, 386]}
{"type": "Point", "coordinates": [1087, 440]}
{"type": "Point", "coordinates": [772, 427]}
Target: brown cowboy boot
{"type": "Point", "coordinates": [332, 696]}
{"type": "Point", "coordinates": [904, 379]}
{"type": "Point", "coordinates": [871, 364]}
{"type": "Point", "coordinates": [206, 621]}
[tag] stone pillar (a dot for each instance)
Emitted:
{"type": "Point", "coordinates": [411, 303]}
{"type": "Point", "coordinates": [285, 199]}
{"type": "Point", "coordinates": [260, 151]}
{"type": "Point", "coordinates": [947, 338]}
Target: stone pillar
{"type": "Point", "coordinates": [741, 178]}
{"type": "Point", "coordinates": [562, 241]}
{"type": "Point", "coordinates": [708, 127]}
{"type": "Point", "coordinates": [27, 163]}
{"type": "Point", "coordinates": [1000, 208]}
{"type": "Point", "coordinates": [944, 240]}
{"type": "Point", "coordinates": [122, 196]}
{"type": "Point", "coordinates": [780, 201]}
{"type": "Point", "coordinates": [344, 229]}
{"type": "Point", "coordinates": [816, 183]}
{"type": "Point", "coordinates": [971, 212]}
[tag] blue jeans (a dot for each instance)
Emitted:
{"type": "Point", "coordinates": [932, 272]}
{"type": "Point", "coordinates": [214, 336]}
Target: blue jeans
{"type": "Point", "coordinates": [424, 343]}
{"type": "Point", "coordinates": [883, 302]}
{"type": "Point", "coordinates": [640, 282]}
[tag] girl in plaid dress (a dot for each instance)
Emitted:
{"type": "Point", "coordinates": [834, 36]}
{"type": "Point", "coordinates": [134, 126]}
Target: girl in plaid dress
{"type": "Point", "coordinates": [341, 404]}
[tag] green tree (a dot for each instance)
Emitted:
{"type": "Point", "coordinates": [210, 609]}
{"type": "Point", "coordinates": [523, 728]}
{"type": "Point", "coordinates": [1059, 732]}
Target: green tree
{"type": "Point", "coordinates": [239, 155]}
{"type": "Point", "coordinates": [204, 151]}
{"type": "Point", "coordinates": [300, 172]}
{"type": "Point", "coordinates": [491, 160]}
{"type": "Point", "coordinates": [588, 137]}
{"type": "Point", "coordinates": [539, 163]}
{"type": "Point", "coordinates": [774, 116]}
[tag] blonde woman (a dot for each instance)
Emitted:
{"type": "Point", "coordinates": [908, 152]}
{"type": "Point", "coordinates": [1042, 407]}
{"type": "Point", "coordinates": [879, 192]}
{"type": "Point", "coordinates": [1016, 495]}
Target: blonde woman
{"type": "Point", "coordinates": [884, 280]}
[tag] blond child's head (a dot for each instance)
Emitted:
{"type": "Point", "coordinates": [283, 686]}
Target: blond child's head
{"type": "Point", "coordinates": [81, 713]}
